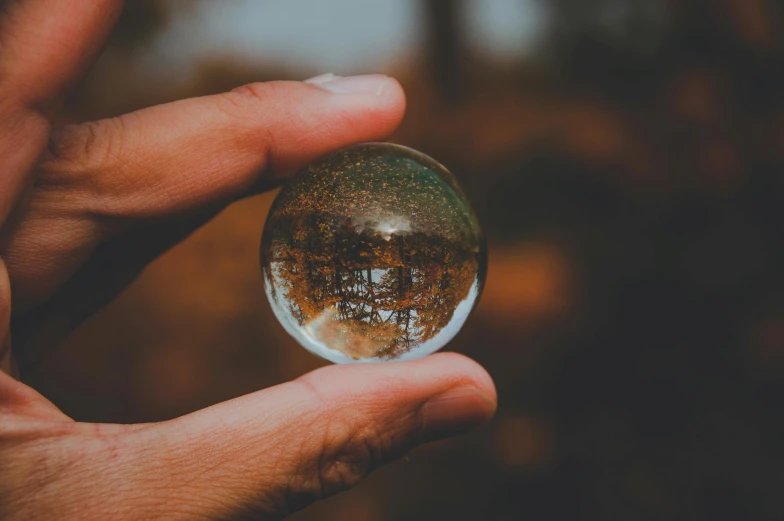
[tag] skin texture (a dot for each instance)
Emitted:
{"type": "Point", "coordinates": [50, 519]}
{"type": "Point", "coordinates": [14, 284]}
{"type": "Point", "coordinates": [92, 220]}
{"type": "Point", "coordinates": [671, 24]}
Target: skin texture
{"type": "Point", "coordinates": [75, 200]}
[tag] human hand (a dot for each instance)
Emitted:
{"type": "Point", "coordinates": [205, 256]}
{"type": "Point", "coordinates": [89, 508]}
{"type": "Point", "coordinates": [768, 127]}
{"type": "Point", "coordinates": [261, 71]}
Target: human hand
{"type": "Point", "coordinates": [76, 206]}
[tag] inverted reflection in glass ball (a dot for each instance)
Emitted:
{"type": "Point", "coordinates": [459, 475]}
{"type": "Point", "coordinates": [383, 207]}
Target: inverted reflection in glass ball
{"type": "Point", "coordinates": [372, 253]}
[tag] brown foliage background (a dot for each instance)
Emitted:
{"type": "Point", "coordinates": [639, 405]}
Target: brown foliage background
{"type": "Point", "coordinates": [629, 177]}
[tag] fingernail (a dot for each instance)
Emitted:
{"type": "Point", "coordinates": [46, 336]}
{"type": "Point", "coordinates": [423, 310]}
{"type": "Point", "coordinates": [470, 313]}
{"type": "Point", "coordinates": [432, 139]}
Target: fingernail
{"type": "Point", "coordinates": [321, 78]}
{"type": "Point", "coordinates": [367, 84]}
{"type": "Point", "coordinates": [456, 411]}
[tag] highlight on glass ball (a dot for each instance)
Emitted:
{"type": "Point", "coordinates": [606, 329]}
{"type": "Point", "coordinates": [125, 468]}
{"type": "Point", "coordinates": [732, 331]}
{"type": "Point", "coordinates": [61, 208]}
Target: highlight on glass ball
{"type": "Point", "coordinates": [373, 253]}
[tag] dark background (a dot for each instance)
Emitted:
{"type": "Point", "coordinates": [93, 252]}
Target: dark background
{"type": "Point", "coordinates": [627, 166]}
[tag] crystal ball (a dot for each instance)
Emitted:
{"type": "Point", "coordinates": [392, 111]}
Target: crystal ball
{"type": "Point", "coordinates": [373, 253]}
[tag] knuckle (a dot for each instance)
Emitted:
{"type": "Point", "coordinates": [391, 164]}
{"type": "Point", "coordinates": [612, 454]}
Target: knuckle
{"type": "Point", "coordinates": [340, 467]}
{"type": "Point", "coordinates": [83, 147]}
{"type": "Point", "coordinates": [345, 457]}
{"type": "Point", "coordinates": [248, 106]}
{"type": "Point", "coordinates": [244, 100]}
{"type": "Point", "coordinates": [247, 100]}
{"type": "Point", "coordinates": [263, 91]}
{"type": "Point", "coordinates": [78, 159]}
{"type": "Point", "coordinates": [250, 93]}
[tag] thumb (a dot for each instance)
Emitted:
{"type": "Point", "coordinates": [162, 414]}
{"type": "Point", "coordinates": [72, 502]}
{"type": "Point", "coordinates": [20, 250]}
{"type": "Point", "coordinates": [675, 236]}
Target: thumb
{"type": "Point", "coordinates": [273, 452]}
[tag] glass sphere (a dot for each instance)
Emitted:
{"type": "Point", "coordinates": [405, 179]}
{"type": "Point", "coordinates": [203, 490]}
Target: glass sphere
{"type": "Point", "coordinates": [373, 253]}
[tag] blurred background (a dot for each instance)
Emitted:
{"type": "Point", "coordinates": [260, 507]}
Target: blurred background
{"type": "Point", "coordinates": [626, 159]}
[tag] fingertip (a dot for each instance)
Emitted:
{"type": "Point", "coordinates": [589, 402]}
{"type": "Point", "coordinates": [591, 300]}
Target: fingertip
{"type": "Point", "coordinates": [393, 99]}
{"type": "Point", "coordinates": [310, 120]}
{"type": "Point", "coordinates": [468, 402]}
{"type": "Point", "coordinates": [404, 381]}
{"type": "Point", "coordinates": [463, 371]}
{"type": "Point", "coordinates": [373, 113]}
{"type": "Point", "coordinates": [454, 412]}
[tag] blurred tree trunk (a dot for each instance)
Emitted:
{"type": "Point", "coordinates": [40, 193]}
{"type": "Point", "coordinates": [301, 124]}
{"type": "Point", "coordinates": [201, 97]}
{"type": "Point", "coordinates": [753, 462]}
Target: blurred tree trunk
{"type": "Point", "coordinates": [445, 46]}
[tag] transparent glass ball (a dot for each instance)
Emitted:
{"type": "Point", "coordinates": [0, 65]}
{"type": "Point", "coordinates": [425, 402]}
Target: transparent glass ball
{"type": "Point", "coordinates": [373, 253]}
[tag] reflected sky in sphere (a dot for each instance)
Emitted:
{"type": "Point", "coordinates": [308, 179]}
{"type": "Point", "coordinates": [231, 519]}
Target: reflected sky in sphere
{"type": "Point", "coordinates": [373, 253]}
